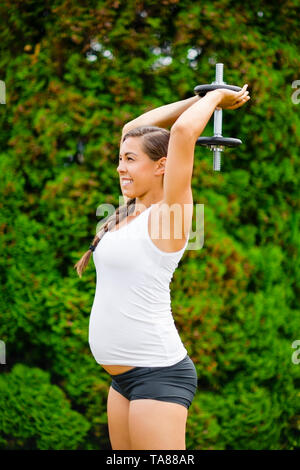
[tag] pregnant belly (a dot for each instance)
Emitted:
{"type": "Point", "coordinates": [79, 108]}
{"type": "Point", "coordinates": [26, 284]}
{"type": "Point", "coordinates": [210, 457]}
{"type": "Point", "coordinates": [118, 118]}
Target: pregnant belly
{"type": "Point", "coordinates": [113, 370]}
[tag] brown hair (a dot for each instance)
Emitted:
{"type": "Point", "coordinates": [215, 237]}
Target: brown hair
{"type": "Point", "coordinates": [155, 141]}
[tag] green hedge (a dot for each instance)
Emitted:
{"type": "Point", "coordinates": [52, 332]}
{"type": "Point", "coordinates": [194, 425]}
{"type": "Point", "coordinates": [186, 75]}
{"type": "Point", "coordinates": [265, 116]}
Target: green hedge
{"type": "Point", "coordinates": [76, 74]}
{"type": "Point", "coordinates": [35, 413]}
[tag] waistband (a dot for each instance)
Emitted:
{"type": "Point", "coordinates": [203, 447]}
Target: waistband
{"type": "Point", "coordinates": [135, 369]}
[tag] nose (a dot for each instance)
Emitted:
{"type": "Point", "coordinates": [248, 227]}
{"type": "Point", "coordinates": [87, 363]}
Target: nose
{"type": "Point", "coordinates": [120, 164]}
{"type": "Point", "coordinates": [121, 167]}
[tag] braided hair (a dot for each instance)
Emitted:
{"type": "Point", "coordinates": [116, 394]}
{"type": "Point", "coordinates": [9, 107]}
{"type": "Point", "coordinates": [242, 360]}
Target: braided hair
{"type": "Point", "coordinates": [113, 220]}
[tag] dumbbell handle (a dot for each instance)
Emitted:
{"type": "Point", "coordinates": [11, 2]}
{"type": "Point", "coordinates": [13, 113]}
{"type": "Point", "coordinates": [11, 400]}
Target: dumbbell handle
{"type": "Point", "coordinates": [218, 120]}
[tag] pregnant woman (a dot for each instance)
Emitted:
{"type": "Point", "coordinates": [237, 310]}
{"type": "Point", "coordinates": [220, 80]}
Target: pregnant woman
{"type": "Point", "coordinates": [132, 333]}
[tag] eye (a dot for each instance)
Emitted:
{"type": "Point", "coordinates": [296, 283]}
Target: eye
{"type": "Point", "coordinates": [128, 158]}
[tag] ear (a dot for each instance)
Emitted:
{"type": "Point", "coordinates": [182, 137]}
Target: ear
{"type": "Point", "coordinates": [161, 166]}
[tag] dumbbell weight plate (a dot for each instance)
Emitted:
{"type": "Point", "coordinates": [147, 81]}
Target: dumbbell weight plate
{"type": "Point", "coordinates": [201, 90]}
{"type": "Point", "coordinates": [221, 141]}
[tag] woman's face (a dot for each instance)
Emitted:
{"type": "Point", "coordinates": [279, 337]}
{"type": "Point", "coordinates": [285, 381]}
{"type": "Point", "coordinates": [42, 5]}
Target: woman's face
{"type": "Point", "coordinates": [138, 168]}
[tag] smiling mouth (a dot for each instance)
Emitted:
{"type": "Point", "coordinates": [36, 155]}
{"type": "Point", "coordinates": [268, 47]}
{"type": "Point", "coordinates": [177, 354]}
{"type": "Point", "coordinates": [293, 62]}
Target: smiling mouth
{"type": "Point", "coordinates": [126, 182]}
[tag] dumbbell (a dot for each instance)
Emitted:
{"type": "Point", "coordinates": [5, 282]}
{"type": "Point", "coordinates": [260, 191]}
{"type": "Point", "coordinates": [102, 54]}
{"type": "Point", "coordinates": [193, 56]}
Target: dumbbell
{"type": "Point", "coordinates": [217, 142]}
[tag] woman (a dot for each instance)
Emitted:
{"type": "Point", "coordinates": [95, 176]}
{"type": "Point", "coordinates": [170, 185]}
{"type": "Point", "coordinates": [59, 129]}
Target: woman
{"type": "Point", "coordinates": [132, 333]}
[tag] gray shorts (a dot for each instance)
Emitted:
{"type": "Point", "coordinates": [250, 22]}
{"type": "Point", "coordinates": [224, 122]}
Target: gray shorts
{"type": "Point", "coordinates": [176, 383]}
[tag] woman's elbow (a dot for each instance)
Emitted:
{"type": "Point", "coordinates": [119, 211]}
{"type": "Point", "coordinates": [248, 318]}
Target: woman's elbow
{"type": "Point", "coordinates": [182, 128]}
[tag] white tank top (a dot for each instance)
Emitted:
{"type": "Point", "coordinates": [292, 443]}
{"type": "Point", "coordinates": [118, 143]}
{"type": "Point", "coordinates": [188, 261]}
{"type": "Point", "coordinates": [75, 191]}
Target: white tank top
{"type": "Point", "coordinates": [131, 321]}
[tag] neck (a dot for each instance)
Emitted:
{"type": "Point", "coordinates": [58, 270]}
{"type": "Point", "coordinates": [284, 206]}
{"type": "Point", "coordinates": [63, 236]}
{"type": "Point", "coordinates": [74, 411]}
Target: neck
{"type": "Point", "coordinates": [143, 204]}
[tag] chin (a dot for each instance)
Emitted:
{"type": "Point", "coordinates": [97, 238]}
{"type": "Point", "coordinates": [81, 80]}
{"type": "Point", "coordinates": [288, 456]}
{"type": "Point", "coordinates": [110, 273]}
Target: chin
{"type": "Point", "coordinates": [128, 194]}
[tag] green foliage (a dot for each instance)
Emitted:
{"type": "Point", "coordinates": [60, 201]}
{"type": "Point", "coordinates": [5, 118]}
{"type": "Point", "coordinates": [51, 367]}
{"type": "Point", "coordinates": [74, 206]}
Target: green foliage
{"type": "Point", "coordinates": [76, 74]}
{"type": "Point", "coordinates": [36, 414]}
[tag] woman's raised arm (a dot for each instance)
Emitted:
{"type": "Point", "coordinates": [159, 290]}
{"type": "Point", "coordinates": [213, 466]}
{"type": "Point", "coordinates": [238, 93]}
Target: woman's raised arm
{"type": "Point", "coordinates": [163, 116]}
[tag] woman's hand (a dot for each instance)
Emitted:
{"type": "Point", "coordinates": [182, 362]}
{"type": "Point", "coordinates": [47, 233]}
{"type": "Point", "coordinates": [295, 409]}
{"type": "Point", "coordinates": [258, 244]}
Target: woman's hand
{"type": "Point", "coordinates": [232, 99]}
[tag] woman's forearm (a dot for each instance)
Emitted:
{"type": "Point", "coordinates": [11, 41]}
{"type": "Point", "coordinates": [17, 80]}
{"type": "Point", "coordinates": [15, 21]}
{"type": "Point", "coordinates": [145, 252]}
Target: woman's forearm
{"type": "Point", "coordinates": [163, 116]}
{"type": "Point", "coordinates": [197, 116]}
